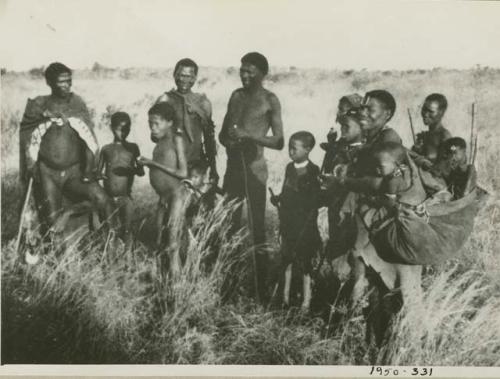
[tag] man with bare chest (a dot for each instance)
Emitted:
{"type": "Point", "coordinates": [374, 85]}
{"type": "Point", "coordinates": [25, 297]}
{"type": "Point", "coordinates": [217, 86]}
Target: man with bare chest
{"type": "Point", "coordinates": [252, 112]}
{"type": "Point", "coordinates": [57, 147]}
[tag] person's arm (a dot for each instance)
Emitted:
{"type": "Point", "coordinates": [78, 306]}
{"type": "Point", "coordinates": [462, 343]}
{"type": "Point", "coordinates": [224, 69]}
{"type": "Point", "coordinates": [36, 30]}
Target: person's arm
{"type": "Point", "coordinates": [182, 168]}
{"type": "Point", "coordinates": [275, 141]}
{"type": "Point", "coordinates": [276, 124]}
{"type": "Point", "coordinates": [101, 162]}
{"type": "Point", "coordinates": [209, 143]}
{"type": "Point", "coordinates": [162, 99]}
{"type": "Point", "coordinates": [139, 169]}
{"type": "Point", "coordinates": [224, 137]}
{"type": "Point", "coordinates": [366, 184]}
{"type": "Point", "coordinates": [419, 160]}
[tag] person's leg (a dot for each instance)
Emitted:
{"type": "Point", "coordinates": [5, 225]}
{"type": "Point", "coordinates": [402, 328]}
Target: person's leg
{"type": "Point", "coordinates": [234, 188]}
{"type": "Point", "coordinates": [287, 284]}
{"type": "Point", "coordinates": [358, 268]}
{"type": "Point", "coordinates": [50, 193]}
{"type": "Point", "coordinates": [306, 291]}
{"type": "Point", "coordinates": [257, 211]}
{"type": "Point", "coordinates": [93, 192]}
{"type": "Point", "coordinates": [410, 279]}
{"type": "Point", "coordinates": [126, 213]}
{"type": "Point", "coordinates": [175, 229]}
{"type": "Point", "coordinates": [161, 210]}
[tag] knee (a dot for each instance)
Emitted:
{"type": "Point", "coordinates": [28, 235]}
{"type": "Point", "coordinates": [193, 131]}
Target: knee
{"type": "Point", "coordinates": [99, 197]}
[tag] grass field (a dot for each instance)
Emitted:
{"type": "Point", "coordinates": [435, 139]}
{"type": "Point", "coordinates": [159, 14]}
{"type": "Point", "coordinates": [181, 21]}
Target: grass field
{"type": "Point", "coordinates": [96, 304]}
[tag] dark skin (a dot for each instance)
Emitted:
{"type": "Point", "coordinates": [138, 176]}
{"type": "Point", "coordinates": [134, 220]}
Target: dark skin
{"type": "Point", "coordinates": [119, 160]}
{"type": "Point", "coordinates": [61, 148]}
{"type": "Point", "coordinates": [373, 118]}
{"type": "Point", "coordinates": [185, 78]}
{"type": "Point", "coordinates": [254, 111]}
{"type": "Point", "coordinates": [167, 168]}
{"type": "Point", "coordinates": [427, 147]}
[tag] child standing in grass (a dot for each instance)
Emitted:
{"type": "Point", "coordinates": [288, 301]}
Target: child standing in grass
{"type": "Point", "coordinates": [167, 169]}
{"type": "Point", "coordinates": [119, 161]}
{"type": "Point", "coordinates": [298, 208]}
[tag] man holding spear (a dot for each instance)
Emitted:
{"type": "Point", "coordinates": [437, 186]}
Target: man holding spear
{"type": "Point", "coordinates": [252, 111]}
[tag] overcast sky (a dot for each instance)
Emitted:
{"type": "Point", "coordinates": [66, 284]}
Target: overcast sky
{"type": "Point", "coordinates": [306, 33]}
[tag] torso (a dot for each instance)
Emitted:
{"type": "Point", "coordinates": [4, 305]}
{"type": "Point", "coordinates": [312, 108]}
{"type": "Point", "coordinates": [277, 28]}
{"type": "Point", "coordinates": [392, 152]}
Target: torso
{"type": "Point", "coordinates": [165, 154]}
{"type": "Point", "coordinates": [252, 113]}
{"type": "Point", "coordinates": [190, 121]}
{"type": "Point", "coordinates": [61, 147]}
{"type": "Point", "coordinates": [118, 155]}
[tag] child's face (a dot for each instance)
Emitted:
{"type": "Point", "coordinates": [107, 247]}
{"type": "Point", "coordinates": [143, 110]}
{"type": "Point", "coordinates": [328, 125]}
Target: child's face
{"type": "Point", "coordinates": [159, 127]}
{"type": "Point", "coordinates": [351, 130]}
{"type": "Point", "coordinates": [199, 180]}
{"type": "Point", "coordinates": [343, 108]}
{"type": "Point", "coordinates": [385, 164]}
{"type": "Point", "coordinates": [457, 157]}
{"type": "Point", "coordinates": [297, 151]}
{"type": "Point", "coordinates": [120, 131]}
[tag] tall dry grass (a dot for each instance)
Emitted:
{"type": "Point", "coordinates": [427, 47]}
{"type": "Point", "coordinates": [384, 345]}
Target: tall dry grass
{"type": "Point", "coordinates": [96, 303]}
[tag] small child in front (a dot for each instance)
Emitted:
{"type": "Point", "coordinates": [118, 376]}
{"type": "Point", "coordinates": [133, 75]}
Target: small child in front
{"type": "Point", "coordinates": [167, 169]}
{"type": "Point", "coordinates": [298, 209]}
{"type": "Point", "coordinates": [119, 161]}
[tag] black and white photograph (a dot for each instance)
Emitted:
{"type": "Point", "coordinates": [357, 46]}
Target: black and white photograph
{"type": "Point", "coordinates": [268, 186]}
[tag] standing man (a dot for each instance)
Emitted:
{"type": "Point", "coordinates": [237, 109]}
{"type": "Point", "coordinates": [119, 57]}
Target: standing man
{"type": "Point", "coordinates": [428, 142]}
{"type": "Point", "coordinates": [194, 116]}
{"type": "Point", "coordinates": [57, 147]}
{"type": "Point", "coordinates": [251, 112]}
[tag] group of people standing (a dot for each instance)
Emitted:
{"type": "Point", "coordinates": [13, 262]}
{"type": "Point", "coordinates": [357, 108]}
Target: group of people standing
{"type": "Point", "coordinates": [366, 177]}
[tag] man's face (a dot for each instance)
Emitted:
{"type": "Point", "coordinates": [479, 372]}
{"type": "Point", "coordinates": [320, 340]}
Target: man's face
{"type": "Point", "coordinates": [185, 77]}
{"type": "Point", "coordinates": [385, 164]}
{"type": "Point", "coordinates": [250, 75]}
{"type": "Point", "coordinates": [431, 113]}
{"type": "Point", "coordinates": [351, 130]}
{"type": "Point", "coordinates": [159, 127]}
{"type": "Point", "coordinates": [373, 114]}
{"type": "Point", "coordinates": [120, 131]}
{"type": "Point", "coordinates": [297, 151]}
{"type": "Point", "coordinates": [61, 86]}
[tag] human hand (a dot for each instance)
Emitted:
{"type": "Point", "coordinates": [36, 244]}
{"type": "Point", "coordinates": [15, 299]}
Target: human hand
{"type": "Point", "coordinates": [426, 164]}
{"type": "Point", "coordinates": [213, 178]}
{"type": "Point", "coordinates": [238, 133]}
{"type": "Point", "coordinates": [328, 181]}
{"type": "Point", "coordinates": [340, 171]}
{"type": "Point", "coordinates": [275, 200]}
{"type": "Point", "coordinates": [143, 161]}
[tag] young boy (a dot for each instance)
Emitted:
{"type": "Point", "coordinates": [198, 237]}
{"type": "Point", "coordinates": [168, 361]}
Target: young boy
{"type": "Point", "coordinates": [166, 171]}
{"type": "Point", "coordinates": [119, 161]}
{"type": "Point", "coordinates": [298, 208]}
{"type": "Point", "coordinates": [460, 176]}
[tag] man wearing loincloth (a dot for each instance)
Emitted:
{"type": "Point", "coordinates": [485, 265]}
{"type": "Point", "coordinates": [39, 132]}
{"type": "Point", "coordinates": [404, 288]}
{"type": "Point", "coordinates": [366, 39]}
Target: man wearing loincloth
{"type": "Point", "coordinates": [57, 147]}
{"type": "Point", "coordinates": [252, 111]}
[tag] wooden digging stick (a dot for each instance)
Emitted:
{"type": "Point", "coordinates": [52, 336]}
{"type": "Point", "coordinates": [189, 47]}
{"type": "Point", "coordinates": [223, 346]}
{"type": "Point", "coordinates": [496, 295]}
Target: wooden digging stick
{"type": "Point", "coordinates": [411, 126]}
{"type": "Point", "coordinates": [21, 220]}
{"type": "Point", "coordinates": [472, 133]}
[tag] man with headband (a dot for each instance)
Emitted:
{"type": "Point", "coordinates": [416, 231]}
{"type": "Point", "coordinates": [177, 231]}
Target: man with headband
{"type": "Point", "coordinates": [251, 112]}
